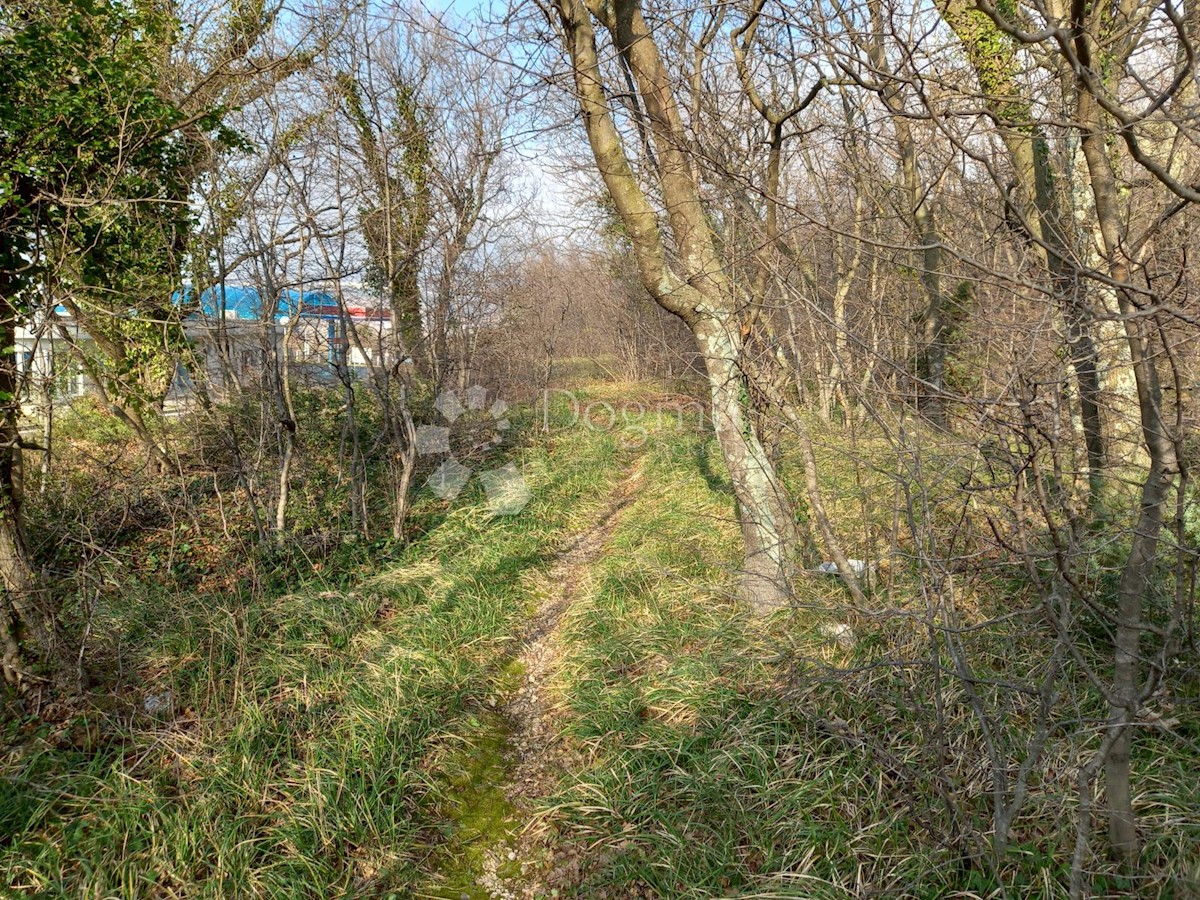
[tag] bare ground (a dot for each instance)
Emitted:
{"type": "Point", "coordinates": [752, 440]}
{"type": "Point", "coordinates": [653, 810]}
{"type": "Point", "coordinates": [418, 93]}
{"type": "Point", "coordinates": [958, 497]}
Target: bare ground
{"type": "Point", "coordinates": [535, 865]}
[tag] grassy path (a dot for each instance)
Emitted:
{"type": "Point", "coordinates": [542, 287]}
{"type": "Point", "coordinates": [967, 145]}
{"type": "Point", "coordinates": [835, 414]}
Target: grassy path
{"type": "Point", "coordinates": [341, 740]}
{"type": "Point", "coordinates": [534, 747]}
{"type": "Point", "coordinates": [569, 699]}
{"type": "Point", "coordinates": [517, 759]}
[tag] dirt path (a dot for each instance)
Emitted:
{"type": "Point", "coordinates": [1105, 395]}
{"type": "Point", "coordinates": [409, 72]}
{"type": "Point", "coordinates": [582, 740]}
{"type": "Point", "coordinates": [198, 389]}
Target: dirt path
{"type": "Point", "coordinates": [529, 866]}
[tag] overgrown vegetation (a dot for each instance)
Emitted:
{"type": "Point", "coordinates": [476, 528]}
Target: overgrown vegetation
{"type": "Point", "coordinates": [337, 727]}
{"type": "Point", "coordinates": [817, 757]}
{"type": "Point", "coordinates": [797, 500]}
{"type": "Point", "coordinates": [307, 736]}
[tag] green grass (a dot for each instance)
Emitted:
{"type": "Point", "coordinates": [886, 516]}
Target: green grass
{"type": "Point", "coordinates": [341, 738]}
{"type": "Point", "coordinates": [324, 740]}
{"type": "Point", "coordinates": [708, 779]}
{"type": "Point", "coordinates": [727, 757]}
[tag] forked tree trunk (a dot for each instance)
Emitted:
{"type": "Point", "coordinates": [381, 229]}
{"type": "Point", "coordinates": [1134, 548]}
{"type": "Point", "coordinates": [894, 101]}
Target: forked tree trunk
{"type": "Point", "coordinates": [693, 285]}
{"type": "Point", "coordinates": [1039, 205]}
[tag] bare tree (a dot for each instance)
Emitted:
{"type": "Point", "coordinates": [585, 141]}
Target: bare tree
{"type": "Point", "coordinates": [691, 281]}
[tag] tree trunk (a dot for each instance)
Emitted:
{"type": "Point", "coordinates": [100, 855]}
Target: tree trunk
{"type": "Point", "coordinates": [403, 465]}
{"type": "Point", "coordinates": [1043, 212]}
{"type": "Point", "coordinates": [932, 367]}
{"type": "Point", "coordinates": [703, 297]}
{"type": "Point", "coordinates": [1138, 573]}
{"type": "Point", "coordinates": [996, 66]}
{"type": "Point", "coordinates": [287, 436]}
{"type": "Point", "coordinates": [764, 510]}
{"type": "Point", "coordinates": [285, 414]}
{"type": "Point", "coordinates": [27, 610]}
{"type": "Point", "coordinates": [47, 390]}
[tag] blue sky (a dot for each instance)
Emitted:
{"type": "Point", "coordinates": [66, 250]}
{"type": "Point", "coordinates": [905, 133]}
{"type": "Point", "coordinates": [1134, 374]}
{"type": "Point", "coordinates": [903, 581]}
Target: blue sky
{"type": "Point", "coordinates": [464, 8]}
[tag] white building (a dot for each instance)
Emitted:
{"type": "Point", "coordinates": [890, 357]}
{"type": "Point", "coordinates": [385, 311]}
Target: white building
{"type": "Point", "coordinates": [232, 337]}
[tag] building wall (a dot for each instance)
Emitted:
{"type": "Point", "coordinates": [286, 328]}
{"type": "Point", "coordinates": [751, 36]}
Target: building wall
{"type": "Point", "coordinates": [233, 353]}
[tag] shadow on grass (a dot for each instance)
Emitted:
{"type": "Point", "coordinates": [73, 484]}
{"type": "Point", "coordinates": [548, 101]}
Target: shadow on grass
{"type": "Point", "coordinates": [717, 479]}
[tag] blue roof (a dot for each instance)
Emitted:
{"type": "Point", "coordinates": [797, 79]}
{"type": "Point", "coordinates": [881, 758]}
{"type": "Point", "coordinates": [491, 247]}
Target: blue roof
{"type": "Point", "coordinates": [246, 304]}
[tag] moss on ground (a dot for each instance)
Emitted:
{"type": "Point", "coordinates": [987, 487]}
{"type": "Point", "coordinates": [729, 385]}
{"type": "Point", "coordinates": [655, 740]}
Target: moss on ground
{"type": "Point", "coordinates": [331, 741]}
{"type": "Point", "coordinates": [478, 817]}
{"type": "Point", "coordinates": [341, 739]}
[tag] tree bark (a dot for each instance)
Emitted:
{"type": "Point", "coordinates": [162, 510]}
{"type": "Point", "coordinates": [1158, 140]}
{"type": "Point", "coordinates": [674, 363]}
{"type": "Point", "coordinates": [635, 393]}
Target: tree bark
{"type": "Point", "coordinates": [700, 295]}
{"type": "Point", "coordinates": [27, 611]}
{"type": "Point", "coordinates": [995, 63]}
{"type": "Point", "coordinates": [1137, 575]}
{"type": "Point", "coordinates": [932, 354]}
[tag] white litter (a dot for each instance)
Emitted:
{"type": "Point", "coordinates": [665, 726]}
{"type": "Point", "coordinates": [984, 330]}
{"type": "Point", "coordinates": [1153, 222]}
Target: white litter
{"type": "Point", "coordinates": [159, 704]}
{"type": "Point", "coordinates": [839, 633]}
{"type": "Point", "coordinates": [857, 566]}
